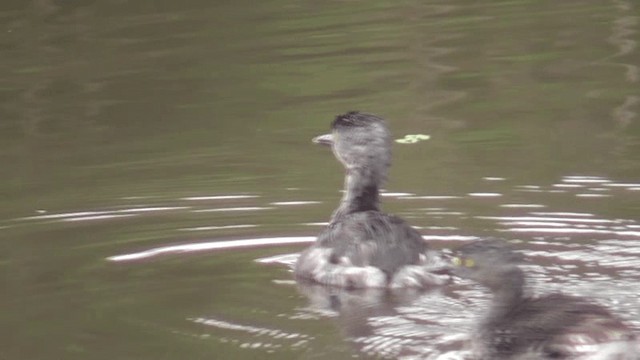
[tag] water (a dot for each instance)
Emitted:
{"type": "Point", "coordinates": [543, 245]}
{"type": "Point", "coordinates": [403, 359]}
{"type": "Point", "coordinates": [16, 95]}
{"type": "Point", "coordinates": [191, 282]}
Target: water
{"type": "Point", "coordinates": [157, 171]}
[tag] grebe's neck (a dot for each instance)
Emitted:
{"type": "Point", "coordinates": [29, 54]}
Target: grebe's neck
{"type": "Point", "coordinates": [508, 294]}
{"type": "Point", "coordinates": [361, 193]}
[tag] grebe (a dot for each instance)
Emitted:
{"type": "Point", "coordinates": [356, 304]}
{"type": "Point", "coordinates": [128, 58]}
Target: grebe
{"type": "Point", "coordinates": [362, 246]}
{"type": "Point", "coordinates": [553, 326]}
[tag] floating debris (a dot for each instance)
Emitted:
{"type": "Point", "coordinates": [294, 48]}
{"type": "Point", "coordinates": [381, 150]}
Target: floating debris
{"type": "Point", "coordinates": [413, 138]}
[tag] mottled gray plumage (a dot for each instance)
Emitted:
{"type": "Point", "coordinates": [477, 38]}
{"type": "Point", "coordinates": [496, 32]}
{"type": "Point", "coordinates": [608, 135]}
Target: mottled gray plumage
{"type": "Point", "coordinates": [362, 246]}
{"type": "Point", "coordinates": [553, 326]}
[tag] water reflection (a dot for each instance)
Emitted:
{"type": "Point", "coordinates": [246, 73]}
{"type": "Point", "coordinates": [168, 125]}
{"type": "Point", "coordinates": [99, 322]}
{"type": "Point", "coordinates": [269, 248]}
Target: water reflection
{"type": "Point", "coordinates": [378, 323]}
{"type": "Point", "coordinates": [263, 339]}
{"type": "Point", "coordinates": [383, 323]}
{"type": "Point", "coordinates": [578, 251]}
{"type": "Point", "coordinates": [92, 215]}
{"type": "Point", "coordinates": [214, 245]}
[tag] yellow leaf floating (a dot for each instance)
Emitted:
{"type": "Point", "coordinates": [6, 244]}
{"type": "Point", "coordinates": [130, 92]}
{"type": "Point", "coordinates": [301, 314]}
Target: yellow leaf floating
{"type": "Point", "coordinates": [413, 138]}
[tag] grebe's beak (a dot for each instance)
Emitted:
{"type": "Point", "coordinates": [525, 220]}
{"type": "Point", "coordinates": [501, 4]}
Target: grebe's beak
{"type": "Point", "coordinates": [326, 139]}
{"type": "Point", "coordinates": [444, 270]}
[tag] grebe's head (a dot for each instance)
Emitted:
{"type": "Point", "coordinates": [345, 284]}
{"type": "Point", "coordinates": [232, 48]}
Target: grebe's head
{"type": "Point", "coordinates": [491, 263]}
{"type": "Point", "coordinates": [360, 141]}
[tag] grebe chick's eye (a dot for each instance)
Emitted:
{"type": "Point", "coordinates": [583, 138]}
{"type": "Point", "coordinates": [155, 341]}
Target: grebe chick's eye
{"type": "Point", "coordinates": [469, 263]}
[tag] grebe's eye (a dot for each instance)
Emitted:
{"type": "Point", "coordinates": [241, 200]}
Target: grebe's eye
{"type": "Point", "coordinates": [469, 263]}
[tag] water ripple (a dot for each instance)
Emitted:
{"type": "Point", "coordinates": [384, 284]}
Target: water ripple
{"type": "Point", "coordinates": [212, 245]}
